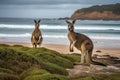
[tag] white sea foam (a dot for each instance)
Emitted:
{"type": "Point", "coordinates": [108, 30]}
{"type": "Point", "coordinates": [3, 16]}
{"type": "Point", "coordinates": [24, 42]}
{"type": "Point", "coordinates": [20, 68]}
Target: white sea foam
{"type": "Point", "coordinates": [96, 28]}
{"type": "Point", "coordinates": [32, 26]}
{"type": "Point", "coordinates": [104, 37]}
{"type": "Point", "coordinates": [54, 36]}
{"type": "Point", "coordinates": [29, 35]}
{"type": "Point", "coordinates": [16, 26]}
{"type": "Point", "coordinates": [15, 35]}
{"type": "Point", "coordinates": [26, 35]}
{"type": "Point", "coordinates": [54, 27]}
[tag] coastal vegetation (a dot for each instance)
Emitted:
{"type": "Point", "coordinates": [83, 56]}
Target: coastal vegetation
{"type": "Point", "coordinates": [23, 63]}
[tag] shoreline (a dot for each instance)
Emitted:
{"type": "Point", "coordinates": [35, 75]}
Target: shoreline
{"type": "Point", "coordinates": [64, 49]}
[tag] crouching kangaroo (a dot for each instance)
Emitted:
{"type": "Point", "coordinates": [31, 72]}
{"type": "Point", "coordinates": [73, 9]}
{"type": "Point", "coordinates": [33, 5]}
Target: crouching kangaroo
{"type": "Point", "coordinates": [36, 38]}
{"type": "Point", "coordinates": [82, 43]}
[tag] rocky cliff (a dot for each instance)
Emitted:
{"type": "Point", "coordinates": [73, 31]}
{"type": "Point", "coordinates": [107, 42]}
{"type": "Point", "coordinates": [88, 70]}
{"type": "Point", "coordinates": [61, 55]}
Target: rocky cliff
{"type": "Point", "coordinates": [104, 12]}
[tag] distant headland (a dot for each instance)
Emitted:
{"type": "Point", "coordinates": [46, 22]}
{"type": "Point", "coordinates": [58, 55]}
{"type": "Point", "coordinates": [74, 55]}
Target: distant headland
{"type": "Point", "coordinates": [103, 12]}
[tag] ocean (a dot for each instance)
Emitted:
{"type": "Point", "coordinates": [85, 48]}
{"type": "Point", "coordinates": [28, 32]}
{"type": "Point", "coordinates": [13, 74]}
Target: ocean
{"type": "Point", "coordinates": [54, 31]}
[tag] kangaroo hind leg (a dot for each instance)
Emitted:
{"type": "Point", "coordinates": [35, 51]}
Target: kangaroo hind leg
{"type": "Point", "coordinates": [40, 41]}
{"type": "Point", "coordinates": [89, 49]}
{"type": "Point", "coordinates": [35, 45]}
{"type": "Point", "coordinates": [83, 53]}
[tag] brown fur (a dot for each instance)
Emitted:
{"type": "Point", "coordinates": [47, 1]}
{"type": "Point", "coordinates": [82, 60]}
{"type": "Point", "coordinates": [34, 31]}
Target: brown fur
{"type": "Point", "coordinates": [82, 43]}
{"type": "Point", "coordinates": [36, 38]}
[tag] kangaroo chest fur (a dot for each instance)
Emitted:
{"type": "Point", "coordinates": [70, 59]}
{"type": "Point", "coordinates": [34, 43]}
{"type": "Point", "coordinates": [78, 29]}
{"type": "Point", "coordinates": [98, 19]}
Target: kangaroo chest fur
{"type": "Point", "coordinates": [77, 38]}
{"type": "Point", "coordinates": [36, 34]}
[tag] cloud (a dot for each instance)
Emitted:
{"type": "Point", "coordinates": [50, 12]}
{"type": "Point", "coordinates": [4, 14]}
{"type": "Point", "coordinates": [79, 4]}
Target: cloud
{"type": "Point", "coordinates": [45, 8]}
{"type": "Point", "coordinates": [51, 2]}
{"type": "Point", "coordinates": [43, 4]}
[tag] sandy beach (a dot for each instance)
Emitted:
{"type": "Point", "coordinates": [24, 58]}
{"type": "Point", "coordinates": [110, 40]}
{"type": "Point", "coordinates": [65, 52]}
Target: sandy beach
{"type": "Point", "coordinates": [64, 49]}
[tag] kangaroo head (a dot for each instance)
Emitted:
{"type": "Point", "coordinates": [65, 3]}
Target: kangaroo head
{"type": "Point", "coordinates": [37, 23]}
{"type": "Point", "coordinates": [70, 25]}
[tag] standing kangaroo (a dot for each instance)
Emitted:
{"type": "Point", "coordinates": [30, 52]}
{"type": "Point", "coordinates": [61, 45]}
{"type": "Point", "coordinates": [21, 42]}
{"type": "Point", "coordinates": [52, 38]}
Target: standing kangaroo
{"type": "Point", "coordinates": [36, 38]}
{"type": "Point", "coordinates": [82, 43]}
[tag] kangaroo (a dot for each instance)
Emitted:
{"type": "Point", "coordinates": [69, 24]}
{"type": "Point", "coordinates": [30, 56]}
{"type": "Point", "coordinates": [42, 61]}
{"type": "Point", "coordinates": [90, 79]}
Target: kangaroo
{"type": "Point", "coordinates": [36, 38]}
{"type": "Point", "coordinates": [82, 43]}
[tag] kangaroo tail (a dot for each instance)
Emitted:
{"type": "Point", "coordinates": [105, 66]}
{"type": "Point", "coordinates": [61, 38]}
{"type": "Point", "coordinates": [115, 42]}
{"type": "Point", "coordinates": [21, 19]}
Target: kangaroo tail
{"type": "Point", "coordinates": [90, 61]}
{"type": "Point", "coordinates": [98, 63]}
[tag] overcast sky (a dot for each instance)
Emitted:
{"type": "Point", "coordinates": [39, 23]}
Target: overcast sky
{"type": "Point", "coordinates": [46, 8]}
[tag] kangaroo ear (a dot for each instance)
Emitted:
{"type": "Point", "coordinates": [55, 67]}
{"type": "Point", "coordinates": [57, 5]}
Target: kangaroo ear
{"type": "Point", "coordinates": [67, 22]}
{"type": "Point", "coordinates": [35, 21]}
{"type": "Point", "coordinates": [73, 21]}
{"type": "Point", "coordinates": [39, 21]}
